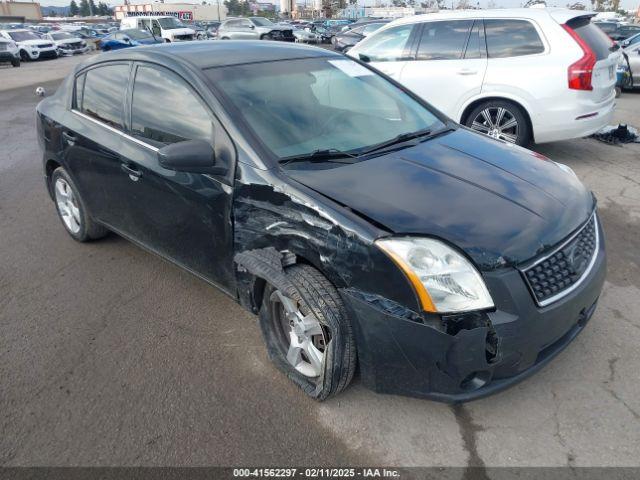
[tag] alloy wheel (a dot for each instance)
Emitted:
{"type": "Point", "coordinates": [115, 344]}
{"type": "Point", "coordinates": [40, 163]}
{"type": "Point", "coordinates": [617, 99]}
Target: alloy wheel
{"type": "Point", "coordinates": [301, 336]}
{"type": "Point", "coordinates": [497, 122]}
{"type": "Point", "coordinates": [67, 205]}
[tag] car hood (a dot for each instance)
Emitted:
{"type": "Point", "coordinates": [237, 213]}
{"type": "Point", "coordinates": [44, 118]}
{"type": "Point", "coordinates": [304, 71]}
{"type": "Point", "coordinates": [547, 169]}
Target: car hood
{"type": "Point", "coordinates": [500, 203]}
{"type": "Point", "coordinates": [68, 40]}
{"type": "Point", "coordinates": [37, 42]}
{"type": "Point", "coordinates": [182, 31]}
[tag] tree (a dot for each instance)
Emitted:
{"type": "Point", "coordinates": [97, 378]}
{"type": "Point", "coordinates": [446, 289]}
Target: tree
{"type": "Point", "coordinates": [93, 9]}
{"type": "Point", "coordinates": [84, 8]}
{"type": "Point", "coordinates": [73, 9]}
{"type": "Point", "coordinates": [233, 7]}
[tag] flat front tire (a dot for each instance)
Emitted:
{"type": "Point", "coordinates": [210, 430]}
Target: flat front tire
{"type": "Point", "coordinates": [502, 120]}
{"type": "Point", "coordinates": [72, 210]}
{"type": "Point", "coordinates": [308, 333]}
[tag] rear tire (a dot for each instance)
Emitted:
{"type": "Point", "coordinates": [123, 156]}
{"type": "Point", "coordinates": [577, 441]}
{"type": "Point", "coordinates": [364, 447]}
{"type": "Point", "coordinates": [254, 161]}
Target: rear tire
{"type": "Point", "coordinates": [72, 210]}
{"type": "Point", "coordinates": [15, 62]}
{"type": "Point", "coordinates": [500, 119]}
{"type": "Point", "coordinates": [308, 333]}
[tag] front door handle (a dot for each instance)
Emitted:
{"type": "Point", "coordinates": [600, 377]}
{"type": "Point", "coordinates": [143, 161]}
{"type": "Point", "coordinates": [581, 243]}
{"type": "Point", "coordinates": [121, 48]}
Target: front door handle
{"type": "Point", "coordinates": [466, 71]}
{"type": "Point", "coordinates": [70, 138]}
{"type": "Point", "coordinates": [133, 173]}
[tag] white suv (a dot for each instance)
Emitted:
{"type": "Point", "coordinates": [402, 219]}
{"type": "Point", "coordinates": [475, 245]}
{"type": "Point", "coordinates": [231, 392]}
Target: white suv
{"type": "Point", "coordinates": [30, 45]}
{"type": "Point", "coordinates": [520, 75]}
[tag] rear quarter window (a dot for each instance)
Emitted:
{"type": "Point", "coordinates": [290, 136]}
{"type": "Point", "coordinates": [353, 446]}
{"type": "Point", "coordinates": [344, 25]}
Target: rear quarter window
{"type": "Point", "coordinates": [511, 38]}
{"type": "Point", "coordinates": [592, 35]}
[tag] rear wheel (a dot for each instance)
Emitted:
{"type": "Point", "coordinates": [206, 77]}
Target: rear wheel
{"type": "Point", "coordinates": [266, 36]}
{"type": "Point", "coordinates": [72, 210]}
{"type": "Point", "coordinates": [15, 62]}
{"type": "Point", "coordinates": [500, 119]}
{"type": "Point", "coordinates": [308, 333]}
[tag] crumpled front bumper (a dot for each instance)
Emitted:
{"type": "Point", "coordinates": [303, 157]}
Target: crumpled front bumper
{"type": "Point", "coordinates": [403, 356]}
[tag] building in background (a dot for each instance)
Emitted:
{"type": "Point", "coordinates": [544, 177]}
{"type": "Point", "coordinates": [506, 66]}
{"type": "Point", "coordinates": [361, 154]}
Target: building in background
{"type": "Point", "coordinates": [20, 12]}
{"type": "Point", "coordinates": [288, 8]}
{"type": "Point", "coordinates": [187, 12]}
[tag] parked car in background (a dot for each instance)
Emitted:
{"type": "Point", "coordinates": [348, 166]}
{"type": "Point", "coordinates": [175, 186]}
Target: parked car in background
{"type": "Point", "coordinates": [343, 41]}
{"type": "Point", "coordinates": [212, 29]}
{"type": "Point", "coordinates": [167, 27]}
{"type": "Point", "coordinates": [519, 75]}
{"type": "Point", "coordinates": [306, 36]}
{"type": "Point", "coordinates": [624, 31]}
{"type": "Point", "coordinates": [9, 52]}
{"type": "Point", "coordinates": [366, 228]}
{"type": "Point", "coordinates": [30, 45]}
{"type": "Point", "coordinates": [254, 28]}
{"type": "Point", "coordinates": [127, 38]}
{"type": "Point", "coordinates": [67, 43]}
{"type": "Point", "coordinates": [632, 40]}
{"type": "Point", "coordinates": [607, 27]}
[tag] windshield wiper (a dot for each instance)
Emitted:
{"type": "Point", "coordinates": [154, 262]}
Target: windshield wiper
{"type": "Point", "coordinates": [403, 137]}
{"type": "Point", "coordinates": [331, 154]}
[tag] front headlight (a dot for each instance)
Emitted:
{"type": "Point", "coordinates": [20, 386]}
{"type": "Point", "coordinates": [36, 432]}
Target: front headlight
{"type": "Point", "coordinates": [444, 280]}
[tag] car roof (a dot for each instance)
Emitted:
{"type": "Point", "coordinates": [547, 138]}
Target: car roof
{"type": "Point", "coordinates": [218, 54]}
{"type": "Point", "coordinates": [560, 15]}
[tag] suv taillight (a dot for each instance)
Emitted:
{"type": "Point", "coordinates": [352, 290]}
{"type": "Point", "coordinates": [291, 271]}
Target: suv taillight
{"type": "Point", "coordinates": [580, 72]}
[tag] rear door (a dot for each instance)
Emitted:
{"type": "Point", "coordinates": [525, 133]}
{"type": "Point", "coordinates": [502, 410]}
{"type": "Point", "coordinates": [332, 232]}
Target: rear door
{"type": "Point", "coordinates": [93, 139]}
{"type": "Point", "coordinates": [607, 55]}
{"type": "Point", "coordinates": [449, 65]}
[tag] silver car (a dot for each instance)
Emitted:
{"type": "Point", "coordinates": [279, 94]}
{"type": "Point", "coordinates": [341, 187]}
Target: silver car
{"type": "Point", "coordinates": [254, 28]}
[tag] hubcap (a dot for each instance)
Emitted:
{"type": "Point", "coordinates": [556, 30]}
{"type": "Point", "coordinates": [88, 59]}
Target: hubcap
{"type": "Point", "coordinates": [303, 336]}
{"type": "Point", "coordinates": [497, 122]}
{"type": "Point", "coordinates": [67, 205]}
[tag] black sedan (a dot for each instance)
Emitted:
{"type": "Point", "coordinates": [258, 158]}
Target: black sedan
{"type": "Point", "coordinates": [360, 224]}
{"type": "Point", "coordinates": [343, 41]}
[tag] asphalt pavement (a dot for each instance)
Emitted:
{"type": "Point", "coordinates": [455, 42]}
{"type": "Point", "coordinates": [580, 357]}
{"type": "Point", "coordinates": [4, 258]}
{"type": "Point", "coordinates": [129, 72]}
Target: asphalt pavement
{"type": "Point", "coordinates": [110, 355]}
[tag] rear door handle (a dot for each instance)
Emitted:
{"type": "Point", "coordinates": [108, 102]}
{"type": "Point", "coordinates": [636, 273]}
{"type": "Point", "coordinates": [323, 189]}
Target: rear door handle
{"type": "Point", "coordinates": [133, 173]}
{"type": "Point", "coordinates": [70, 138]}
{"type": "Point", "coordinates": [466, 71]}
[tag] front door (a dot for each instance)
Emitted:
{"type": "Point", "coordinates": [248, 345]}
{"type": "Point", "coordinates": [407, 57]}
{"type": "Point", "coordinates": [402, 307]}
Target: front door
{"type": "Point", "coordinates": [450, 64]}
{"type": "Point", "coordinates": [183, 216]}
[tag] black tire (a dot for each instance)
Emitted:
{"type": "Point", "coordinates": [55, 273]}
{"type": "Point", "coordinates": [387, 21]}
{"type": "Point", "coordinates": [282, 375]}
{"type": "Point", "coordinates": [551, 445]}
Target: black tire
{"type": "Point", "coordinates": [88, 228]}
{"type": "Point", "coordinates": [15, 62]}
{"type": "Point", "coordinates": [522, 133]}
{"type": "Point", "coordinates": [313, 294]}
{"type": "Point", "coordinates": [24, 56]}
{"type": "Point", "coordinates": [266, 36]}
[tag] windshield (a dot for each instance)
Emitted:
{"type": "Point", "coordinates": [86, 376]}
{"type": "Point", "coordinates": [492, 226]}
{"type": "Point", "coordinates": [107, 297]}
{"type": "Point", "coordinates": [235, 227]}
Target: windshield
{"type": "Point", "coordinates": [61, 36]}
{"type": "Point", "coordinates": [262, 22]}
{"type": "Point", "coordinates": [169, 23]}
{"type": "Point", "coordinates": [137, 34]}
{"type": "Point", "coordinates": [296, 107]}
{"type": "Point", "coordinates": [23, 36]}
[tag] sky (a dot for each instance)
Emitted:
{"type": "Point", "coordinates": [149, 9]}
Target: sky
{"type": "Point", "coordinates": [627, 4]}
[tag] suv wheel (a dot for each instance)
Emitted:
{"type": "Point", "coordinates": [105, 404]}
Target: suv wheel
{"type": "Point", "coordinates": [308, 333]}
{"type": "Point", "coordinates": [72, 210]}
{"type": "Point", "coordinates": [24, 56]}
{"type": "Point", "coordinates": [266, 36]}
{"type": "Point", "coordinates": [500, 119]}
{"type": "Point", "coordinates": [15, 62]}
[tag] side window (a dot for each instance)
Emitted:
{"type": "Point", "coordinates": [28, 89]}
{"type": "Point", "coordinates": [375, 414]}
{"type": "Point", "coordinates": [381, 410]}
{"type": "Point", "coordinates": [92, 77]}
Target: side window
{"type": "Point", "coordinates": [165, 110]}
{"type": "Point", "coordinates": [246, 24]}
{"type": "Point", "coordinates": [475, 46]}
{"type": "Point", "coordinates": [444, 40]}
{"type": "Point", "coordinates": [358, 30]}
{"type": "Point", "coordinates": [388, 45]}
{"type": "Point", "coordinates": [512, 38]}
{"type": "Point", "coordinates": [103, 94]}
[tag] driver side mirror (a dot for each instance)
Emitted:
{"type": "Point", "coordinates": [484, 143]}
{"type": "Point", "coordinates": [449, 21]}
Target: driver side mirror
{"type": "Point", "coordinates": [193, 156]}
{"type": "Point", "coordinates": [364, 58]}
{"type": "Point", "coordinates": [126, 40]}
{"type": "Point", "coordinates": [252, 27]}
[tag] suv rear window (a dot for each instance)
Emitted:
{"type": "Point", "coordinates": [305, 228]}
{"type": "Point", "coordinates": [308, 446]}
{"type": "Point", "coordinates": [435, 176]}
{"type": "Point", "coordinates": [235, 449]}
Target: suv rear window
{"type": "Point", "coordinates": [593, 36]}
{"type": "Point", "coordinates": [511, 38]}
